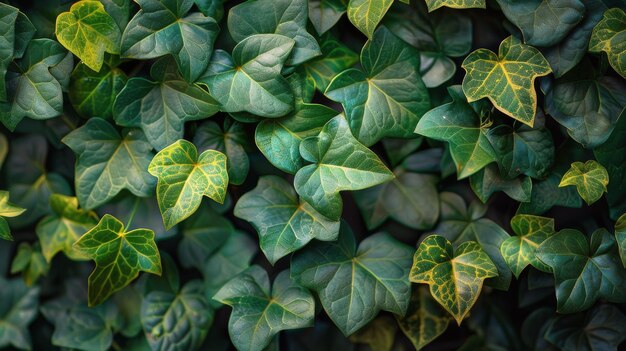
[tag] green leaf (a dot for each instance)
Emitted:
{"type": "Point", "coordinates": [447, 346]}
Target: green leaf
{"type": "Point", "coordinates": [88, 31]}
{"type": "Point", "coordinates": [584, 271]}
{"type": "Point", "coordinates": [59, 232]}
{"type": "Point", "coordinates": [612, 156]}
{"type": "Point", "coordinates": [35, 83]}
{"type": "Point", "coordinates": [366, 14]}
{"type": "Point", "coordinates": [324, 14]}
{"type": "Point", "coordinates": [139, 212]}
{"type": "Point", "coordinates": [460, 223]}
{"type": "Point", "coordinates": [519, 251]}
{"type": "Point", "coordinates": [602, 328]}
{"type": "Point", "coordinates": [14, 27]}
{"type": "Point", "coordinates": [586, 103]}
{"type": "Point", "coordinates": [259, 312]}
{"type": "Point", "coordinates": [184, 178]}
{"type": "Point", "coordinates": [335, 58]}
{"type": "Point", "coordinates": [250, 80]}
{"type": "Point", "coordinates": [608, 36]}
{"type": "Point", "coordinates": [30, 262]}
{"type": "Point", "coordinates": [20, 307]}
{"type": "Point", "coordinates": [176, 320]}
{"type": "Point", "coordinates": [230, 141]}
{"type": "Point", "coordinates": [284, 223]}
{"type": "Point", "coordinates": [398, 199]}
{"type": "Point", "coordinates": [164, 27]}
{"type": "Point", "coordinates": [620, 237]}
{"type": "Point", "coordinates": [340, 163]}
{"type": "Point", "coordinates": [456, 276]}
{"type": "Point", "coordinates": [93, 93]}
{"type": "Point", "coordinates": [489, 180]}
{"type": "Point", "coordinates": [355, 284]}
{"type": "Point", "coordinates": [85, 328]}
{"type": "Point", "coordinates": [284, 17]}
{"type": "Point", "coordinates": [375, 100]}
{"type": "Point", "coordinates": [119, 256]}
{"type": "Point", "coordinates": [507, 78]}
{"type": "Point", "coordinates": [7, 209]}
{"type": "Point", "coordinates": [379, 334]}
{"type": "Point", "coordinates": [108, 162]}
{"type": "Point", "coordinates": [590, 179]}
{"type": "Point", "coordinates": [425, 320]}
{"type": "Point", "coordinates": [464, 129]}
{"type": "Point", "coordinates": [543, 23]}
{"type": "Point", "coordinates": [457, 4]}
{"type": "Point", "coordinates": [161, 108]}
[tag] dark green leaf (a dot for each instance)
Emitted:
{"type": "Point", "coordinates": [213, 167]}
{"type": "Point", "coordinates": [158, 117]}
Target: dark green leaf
{"type": "Point", "coordinates": [93, 93]}
{"type": "Point", "coordinates": [19, 309]}
{"type": "Point", "coordinates": [335, 58]}
{"type": "Point", "coordinates": [324, 14]}
{"type": "Point", "coordinates": [425, 320]}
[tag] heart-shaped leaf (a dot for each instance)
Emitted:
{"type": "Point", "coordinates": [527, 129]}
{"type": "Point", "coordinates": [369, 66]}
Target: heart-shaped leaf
{"type": "Point", "coordinates": [590, 179]}
{"type": "Point", "coordinates": [93, 93]}
{"type": "Point", "coordinates": [366, 14]}
{"type": "Point", "coordinates": [608, 36]}
{"type": "Point", "coordinates": [425, 320]}
{"type": "Point", "coordinates": [519, 250]}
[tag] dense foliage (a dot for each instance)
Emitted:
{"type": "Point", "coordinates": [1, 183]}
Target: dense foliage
{"type": "Point", "coordinates": [274, 175]}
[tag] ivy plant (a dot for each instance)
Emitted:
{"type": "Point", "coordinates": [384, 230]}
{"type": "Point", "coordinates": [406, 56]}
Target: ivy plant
{"type": "Point", "coordinates": [356, 175]}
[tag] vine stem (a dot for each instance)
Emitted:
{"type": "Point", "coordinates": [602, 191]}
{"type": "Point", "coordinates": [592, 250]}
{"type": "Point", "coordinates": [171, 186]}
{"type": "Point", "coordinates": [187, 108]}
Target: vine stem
{"type": "Point", "coordinates": [132, 213]}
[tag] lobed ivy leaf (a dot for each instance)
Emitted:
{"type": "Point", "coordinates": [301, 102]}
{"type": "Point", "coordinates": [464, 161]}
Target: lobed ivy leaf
{"type": "Point", "coordinates": [324, 14]}
{"type": "Point", "coordinates": [335, 59]}
{"type": "Point", "coordinates": [489, 180]}
{"type": "Point", "coordinates": [376, 100]}
{"type": "Point", "coordinates": [456, 276]}
{"type": "Point", "coordinates": [462, 125]}
{"type": "Point", "coordinates": [457, 4]}
{"type": "Point", "coordinates": [20, 306]}
{"type": "Point", "coordinates": [366, 14]}
{"type": "Point", "coordinates": [519, 250]}
{"type": "Point", "coordinates": [284, 17]}
{"type": "Point", "coordinates": [608, 36]}
{"type": "Point", "coordinates": [84, 328]}
{"type": "Point", "coordinates": [108, 162]}
{"type": "Point", "coordinates": [88, 31]}
{"type": "Point", "coordinates": [15, 29]}
{"type": "Point", "coordinates": [284, 223]}
{"type": "Point", "coordinates": [584, 271]}
{"type": "Point", "coordinates": [251, 79]}
{"type": "Point", "coordinates": [164, 27]}
{"type": "Point", "coordinates": [119, 255]}
{"type": "Point", "coordinates": [30, 262]}
{"type": "Point", "coordinates": [230, 141]}
{"type": "Point", "coordinates": [7, 209]}
{"type": "Point", "coordinates": [590, 179]}
{"type": "Point", "coordinates": [340, 163]}
{"type": "Point", "coordinates": [425, 320]}
{"type": "Point", "coordinates": [259, 312]}
{"type": "Point", "coordinates": [353, 284]}
{"type": "Point", "coordinates": [379, 334]}
{"type": "Point", "coordinates": [93, 93]}
{"type": "Point", "coordinates": [59, 232]}
{"type": "Point", "coordinates": [185, 177]}
{"type": "Point", "coordinates": [620, 237]}
{"type": "Point", "coordinates": [506, 78]}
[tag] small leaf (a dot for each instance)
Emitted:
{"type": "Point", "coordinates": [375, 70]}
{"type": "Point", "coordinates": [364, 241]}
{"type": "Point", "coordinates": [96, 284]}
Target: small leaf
{"type": "Point", "coordinates": [93, 93]}
{"type": "Point", "coordinates": [20, 308]}
{"type": "Point", "coordinates": [455, 279]}
{"type": "Point", "coordinates": [7, 209]}
{"type": "Point", "coordinates": [355, 284]}
{"type": "Point", "coordinates": [30, 262]}
{"type": "Point", "coordinates": [507, 78]}
{"type": "Point", "coordinates": [379, 334]}
{"type": "Point", "coordinates": [590, 179]}
{"type": "Point", "coordinates": [584, 271]}
{"type": "Point", "coordinates": [489, 180]}
{"type": "Point", "coordinates": [87, 30]}
{"type": "Point", "coordinates": [336, 57]}
{"type": "Point", "coordinates": [184, 178]}
{"type": "Point", "coordinates": [519, 250]}
{"type": "Point", "coordinates": [612, 155]}
{"type": "Point", "coordinates": [83, 328]}
{"type": "Point", "coordinates": [324, 14]}
{"type": "Point", "coordinates": [425, 320]}
{"type": "Point", "coordinates": [259, 312]}
{"type": "Point", "coordinates": [620, 236]}
{"type": "Point", "coordinates": [340, 163]}
{"type": "Point", "coordinates": [284, 223]}
{"type": "Point", "coordinates": [108, 162]}
{"type": "Point", "coordinates": [608, 36]}
{"type": "Point", "coordinates": [119, 256]}
{"type": "Point", "coordinates": [457, 4]}
{"type": "Point", "coordinates": [366, 14]}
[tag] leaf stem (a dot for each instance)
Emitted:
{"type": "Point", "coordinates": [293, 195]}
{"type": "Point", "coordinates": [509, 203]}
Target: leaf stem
{"type": "Point", "coordinates": [132, 213]}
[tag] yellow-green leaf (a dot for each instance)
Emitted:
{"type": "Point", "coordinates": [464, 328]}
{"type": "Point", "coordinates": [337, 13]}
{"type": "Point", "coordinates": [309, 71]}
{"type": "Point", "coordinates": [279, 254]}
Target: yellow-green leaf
{"type": "Point", "coordinates": [425, 320]}
{"type": "Point", "coordinates": [184, 178]}
{"type": "Point", "coordinates": [365, 14]}
{"type": "Point", "coordinates": [519, 250]}
{"type": "Point", "coordinates": [88, 31]}
{"type": "Point", "coordinates": [590, 179]}
{"type": "Point", "coordinates": [507, 78]}
{"type": "Point", "coordinates": [609, 36]}
{"type": "Point", "coordinates": [456, 4]}
{"type": "Point", "coordinates": [7, 209]}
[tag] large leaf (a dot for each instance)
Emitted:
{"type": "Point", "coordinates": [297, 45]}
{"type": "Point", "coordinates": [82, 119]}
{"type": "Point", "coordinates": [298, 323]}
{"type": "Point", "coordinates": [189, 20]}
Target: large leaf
{"type": "Point", "coordinates": [59, 232]}
{"type": "Point", "coordinates": [465, 130]}
{"type": "Point", "coordinates": [259, 312]}
{"type": "Point", "coordinates": [284, 223]}
{"type": "Point", "coordinates": [425, 320]}
{"type": "Point", "coordinates": [108, 162]}
{"type": "Point", "coordinates": [506, 78]}
{"type": "Point", "coordinates": [7, 209]}
{"type": "Point", "coordinates": [355, 284]}
{"type": "Point", "coordinates": [519, 250]}
{"type": "Point", "coordinates": [589, 178]}
{"type": "Point", "coordinates": [19, 308]}
{"type": "Point", "coordinates": [584, 271]}
{"type": "Point", "coordinates": [340, 163]}
{"type": "Point", "coordinates": [81, 327]}
{"type": "Point", "coordinates": [14, 27]}
{"type": "Point", "coordinates": [366, 14]}
{"type": "Point", "coordinates": [457, 4]}
{"type": "Point", "coordinates": [456, 276]}
{"type": "Point", "coordinates": [377, 100]}
{"type": "Point", "coordinates": [164, 27]}
{"type": "Point", "coordinates": [176, 321]}
{"type": "Point", "coordinates": [93, 93]}
{"type": "Point", "coordinates": [608, 36]}
{"type": "Point", "coordinates": [620, 237]}
{"type": "Point", "coordinates": [284, 17]}
{"type": "Point", "coordinates": [88, 31]}
{"type": "Point", "coordinates": [161, 108]}
{"type": "Point", "coordinates": [612, 155]}
{"type": "Point", "coordinates": [251, 79]}
{"type": "Point", "coordinates": [184, 178]}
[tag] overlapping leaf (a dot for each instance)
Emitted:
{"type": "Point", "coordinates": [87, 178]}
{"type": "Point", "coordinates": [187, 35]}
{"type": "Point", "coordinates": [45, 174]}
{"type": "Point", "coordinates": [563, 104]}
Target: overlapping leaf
{"type": "Point", "coordinates": [519, 250]}
{"type": "Point", "coordinates": [457, 4]}
{"type": "Point", "coordinates": [608, 36]}
{"type": "Point", "coordinates": [590, 179]}
{"type": "Point", "coordinates": [230, 141]}
{"type": "Point", "coordinates": [425, 320]}
{"type": "Point", "coordinates": [366, 14]}
{"type": "Point", "coordinates": [93, 93]}
{"type": "Point", "coordinates": [620, 237]}
{"type": "Point", "coordinates": [7, 209]}
{"type": "Point", "coordinates": [335, 58]}
{"type": "Point", "coordinates": [15, 28]}
{"type": "Point", "coordinates": [324, 14]}
{"type": "Point", "coordinates": [20, 305]}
